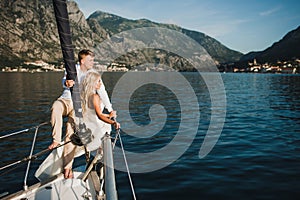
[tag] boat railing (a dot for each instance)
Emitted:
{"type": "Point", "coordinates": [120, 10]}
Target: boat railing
{"type": "Point", "coordinates": [109, 177]}
{"type": "Point", "coordinates": [31, 155]}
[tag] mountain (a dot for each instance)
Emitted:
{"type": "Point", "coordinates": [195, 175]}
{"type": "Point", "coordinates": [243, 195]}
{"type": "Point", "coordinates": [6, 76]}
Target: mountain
{"type": "Point", "coordinates": [114, 24]}
{"type": "Point", "coordinates": [288, 48]}
{"type": "Point", "coordinates": [28, 31]}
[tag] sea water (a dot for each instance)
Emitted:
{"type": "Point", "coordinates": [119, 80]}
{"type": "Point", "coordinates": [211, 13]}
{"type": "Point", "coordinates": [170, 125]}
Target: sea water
{"type": "Point", "coordinates": [256, 154]}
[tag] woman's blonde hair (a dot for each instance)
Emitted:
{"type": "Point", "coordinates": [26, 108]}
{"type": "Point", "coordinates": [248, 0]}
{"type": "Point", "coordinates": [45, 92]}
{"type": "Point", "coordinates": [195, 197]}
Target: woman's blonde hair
{"type": "Point", "coordinates": [87, 88]}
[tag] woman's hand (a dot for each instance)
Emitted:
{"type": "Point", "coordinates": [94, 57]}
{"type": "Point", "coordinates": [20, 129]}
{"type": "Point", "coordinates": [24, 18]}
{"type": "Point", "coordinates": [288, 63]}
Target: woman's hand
{"type": "Point", "coordinates": [117, 125]}
{"type": "Point", "coordinates": [113, 114]}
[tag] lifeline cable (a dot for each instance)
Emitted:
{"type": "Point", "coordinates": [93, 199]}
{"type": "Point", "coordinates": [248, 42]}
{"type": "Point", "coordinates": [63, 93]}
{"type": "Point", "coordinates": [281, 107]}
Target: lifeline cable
{"type": "Point", "coordinates": [22, 131]}
{"type": "Point", "coordinates": [33, 157]}
{"type": "Point", "coordinates": [130, 180]}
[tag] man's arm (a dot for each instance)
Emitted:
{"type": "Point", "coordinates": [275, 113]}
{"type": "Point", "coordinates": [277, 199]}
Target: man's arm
{"type": "Point", "coordinates": [104, 97]}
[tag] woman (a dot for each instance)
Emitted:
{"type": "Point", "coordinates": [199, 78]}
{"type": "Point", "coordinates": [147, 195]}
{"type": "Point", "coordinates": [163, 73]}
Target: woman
{"type": "Point", "coordinates": [92, 107]}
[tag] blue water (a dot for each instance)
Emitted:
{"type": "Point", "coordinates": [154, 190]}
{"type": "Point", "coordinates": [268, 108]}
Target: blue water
{"type": "Point", "coordinates": [257, 155]}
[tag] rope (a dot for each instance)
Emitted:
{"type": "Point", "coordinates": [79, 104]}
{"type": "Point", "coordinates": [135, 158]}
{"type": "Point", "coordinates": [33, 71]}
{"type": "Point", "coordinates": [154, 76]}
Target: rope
{"type": "Point", "coordinates": [129, 177]}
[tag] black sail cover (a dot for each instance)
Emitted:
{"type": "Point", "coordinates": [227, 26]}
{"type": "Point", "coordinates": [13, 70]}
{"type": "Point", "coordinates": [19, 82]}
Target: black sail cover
{"type": "Point", "coordinates": [65, 36]}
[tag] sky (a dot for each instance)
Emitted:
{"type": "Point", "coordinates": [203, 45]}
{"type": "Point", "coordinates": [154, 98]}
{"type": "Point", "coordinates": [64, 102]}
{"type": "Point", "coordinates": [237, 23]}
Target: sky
{"type": "Point", "coordinates": [240, 25]}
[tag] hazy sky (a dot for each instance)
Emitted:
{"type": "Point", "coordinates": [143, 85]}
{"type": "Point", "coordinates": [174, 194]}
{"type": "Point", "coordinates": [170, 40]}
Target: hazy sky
{"type": "Point", "coordinates": [240, 25]}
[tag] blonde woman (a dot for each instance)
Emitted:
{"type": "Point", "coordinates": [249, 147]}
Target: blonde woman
{"type": "Point", "coordinates": [92, 108]}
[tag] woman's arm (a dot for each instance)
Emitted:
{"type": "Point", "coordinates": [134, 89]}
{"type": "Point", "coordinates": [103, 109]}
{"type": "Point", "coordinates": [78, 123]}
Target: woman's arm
{"type": "Point", "coordinates": [102, 116]}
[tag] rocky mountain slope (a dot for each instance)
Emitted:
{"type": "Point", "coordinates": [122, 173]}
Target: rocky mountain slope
{"type": "Point", "coordinates": [28, 31]}
{"type": "Point", "coordinates": [114, 24]}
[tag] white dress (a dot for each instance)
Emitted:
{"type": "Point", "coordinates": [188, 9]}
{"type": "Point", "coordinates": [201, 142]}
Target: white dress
{"type": "Point", "coordinates": [53, 164]}
{"type": "Point", "coordinates": [97, 126]}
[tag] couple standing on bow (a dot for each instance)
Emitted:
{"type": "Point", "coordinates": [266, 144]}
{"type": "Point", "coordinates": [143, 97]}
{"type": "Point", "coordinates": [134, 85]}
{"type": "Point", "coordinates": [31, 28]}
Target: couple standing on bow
{"type": "Point", "coordinates": [94, 99]}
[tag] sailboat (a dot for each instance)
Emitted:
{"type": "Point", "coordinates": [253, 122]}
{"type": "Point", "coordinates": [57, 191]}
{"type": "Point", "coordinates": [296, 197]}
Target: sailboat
{"type": "Point", "coordinates": [87, 183]}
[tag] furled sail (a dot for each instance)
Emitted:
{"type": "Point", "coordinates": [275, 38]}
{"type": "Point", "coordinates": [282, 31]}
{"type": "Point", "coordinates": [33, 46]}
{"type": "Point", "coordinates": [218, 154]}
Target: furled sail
{"type": "Point", "coordinates": [63, 26]}
{"type": "Point", "coordinates": [65, 36]}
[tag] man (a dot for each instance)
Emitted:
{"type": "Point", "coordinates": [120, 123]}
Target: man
{"type": "Point", "coordinates": [63, 107]}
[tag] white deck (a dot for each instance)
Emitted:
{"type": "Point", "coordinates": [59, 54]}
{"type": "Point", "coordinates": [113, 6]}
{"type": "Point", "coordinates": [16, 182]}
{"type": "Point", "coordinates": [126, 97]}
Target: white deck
{"type": "Point", "coordinates": [59, 188]}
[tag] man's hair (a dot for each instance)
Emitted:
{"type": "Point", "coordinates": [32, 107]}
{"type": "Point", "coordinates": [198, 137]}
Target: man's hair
{"type": "Point", "coordinates": [83, 53]}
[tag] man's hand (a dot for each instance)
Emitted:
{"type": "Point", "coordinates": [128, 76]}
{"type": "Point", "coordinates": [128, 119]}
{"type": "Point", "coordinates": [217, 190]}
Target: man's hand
{"type": "Point", "coordinates": [69, 83]}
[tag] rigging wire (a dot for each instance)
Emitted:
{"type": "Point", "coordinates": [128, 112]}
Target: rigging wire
{"type": "Point", "coordinates": [126, 164]}
{"type": "Point", "coordinates": [116, 138]}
